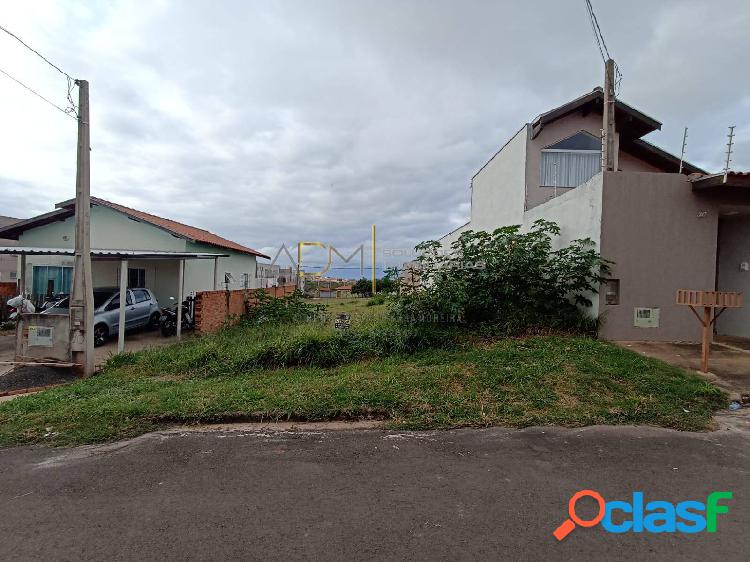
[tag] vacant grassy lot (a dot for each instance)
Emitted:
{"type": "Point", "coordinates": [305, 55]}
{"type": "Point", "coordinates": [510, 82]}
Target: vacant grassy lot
{"type": "Point", "coordinates": [515, 382]}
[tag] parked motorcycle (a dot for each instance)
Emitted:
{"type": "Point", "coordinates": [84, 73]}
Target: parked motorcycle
{"type": "Point", "coordinates": [168, 319]}
{"type": "Point", "coordinates": [51, 300]}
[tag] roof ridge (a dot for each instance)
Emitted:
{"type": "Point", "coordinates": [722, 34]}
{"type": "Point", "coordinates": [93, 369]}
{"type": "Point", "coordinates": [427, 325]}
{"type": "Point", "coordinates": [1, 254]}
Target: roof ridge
{"type": "Point", "coordinates": [150, 214]}
{"type": "Point", "coordinates": [192, 233]}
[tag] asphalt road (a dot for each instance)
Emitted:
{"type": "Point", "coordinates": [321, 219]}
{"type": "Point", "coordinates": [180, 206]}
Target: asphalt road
{"type": "Point", "coordinates": [494, 494]}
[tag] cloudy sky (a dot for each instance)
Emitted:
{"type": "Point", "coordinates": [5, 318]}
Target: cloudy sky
{"type": "Point", "coordinates": [271, 122]}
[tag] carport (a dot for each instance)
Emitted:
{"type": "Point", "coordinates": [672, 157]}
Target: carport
{"type": "Point", "coordinates": [122, 257]}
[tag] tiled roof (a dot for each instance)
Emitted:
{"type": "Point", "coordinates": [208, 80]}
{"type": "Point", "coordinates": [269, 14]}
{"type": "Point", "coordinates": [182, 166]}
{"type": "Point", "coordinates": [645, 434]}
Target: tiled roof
{"type": "Point", "coordinates": [177, 228]}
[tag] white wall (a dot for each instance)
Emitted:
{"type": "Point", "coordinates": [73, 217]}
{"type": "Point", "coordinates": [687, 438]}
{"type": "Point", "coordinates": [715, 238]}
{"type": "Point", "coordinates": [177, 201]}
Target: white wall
{"type": "Point", "coordinates": [578, 213]}
{"type": "Point", "coordinates": [199, 274]}
{"type": "Point", "coordinates": [452, 236]}
{"type": "Point", "coordinates": [734, 248]}
{"type": "Point", "coordinates": [499, 188]}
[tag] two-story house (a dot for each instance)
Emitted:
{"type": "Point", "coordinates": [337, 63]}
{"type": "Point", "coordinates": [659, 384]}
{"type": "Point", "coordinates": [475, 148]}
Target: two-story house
{"type": "Point", "coordinates": [663, 229]}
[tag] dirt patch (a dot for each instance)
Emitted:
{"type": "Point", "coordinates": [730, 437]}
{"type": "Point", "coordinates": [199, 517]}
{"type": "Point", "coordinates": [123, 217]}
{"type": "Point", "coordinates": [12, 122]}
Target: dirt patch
{"type": "Point", "coordinates": [32, 376]}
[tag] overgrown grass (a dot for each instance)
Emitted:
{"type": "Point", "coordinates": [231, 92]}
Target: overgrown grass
{"type": "Point", "coordinates": [515, 382]}
{"type": "Point", "coordinates": [312, 344]}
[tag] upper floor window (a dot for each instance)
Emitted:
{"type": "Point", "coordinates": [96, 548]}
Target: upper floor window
{"type": "Point", "coordinates": [571, 161]}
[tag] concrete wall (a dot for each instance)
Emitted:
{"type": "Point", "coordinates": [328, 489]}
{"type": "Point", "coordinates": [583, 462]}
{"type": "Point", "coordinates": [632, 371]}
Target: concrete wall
{"type": "Point", "coordinates": [661, 238]}
{"type": "Point", "coordinates": [734, 248]}
{"type": "Point", "coordinates": [497, 194]}
{"type": "Point", "coordinates": [578, 213]}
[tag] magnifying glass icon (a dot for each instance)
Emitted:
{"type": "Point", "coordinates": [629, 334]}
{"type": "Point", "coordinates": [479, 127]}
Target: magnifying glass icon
{"type": "Point", "coordinates": [569, 524]}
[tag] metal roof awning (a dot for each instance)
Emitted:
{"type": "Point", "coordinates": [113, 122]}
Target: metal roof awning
{"type": "Point", "coordinates": [731, 182]}
{"type": "Point", "coordinates": [98, 254]}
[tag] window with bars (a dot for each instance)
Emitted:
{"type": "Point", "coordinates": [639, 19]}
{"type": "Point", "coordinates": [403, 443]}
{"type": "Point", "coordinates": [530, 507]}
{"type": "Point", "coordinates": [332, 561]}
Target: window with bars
{"type": "Point", "coordinates": [571, 161]}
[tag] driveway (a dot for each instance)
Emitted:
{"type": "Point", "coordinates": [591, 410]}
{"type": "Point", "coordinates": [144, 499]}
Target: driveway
{"type": "Point", "coordinates": [729, 363]}
{"type": "Point", "coordinates": [494, 494]}
{"type": "Point", "coordinates": [134, 341]}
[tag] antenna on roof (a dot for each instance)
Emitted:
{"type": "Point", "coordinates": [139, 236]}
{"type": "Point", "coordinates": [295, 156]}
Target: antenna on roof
{"type": "Point", "coordinates": [729, 151]}
{"type": "Point", "coordinates": [682, 154]}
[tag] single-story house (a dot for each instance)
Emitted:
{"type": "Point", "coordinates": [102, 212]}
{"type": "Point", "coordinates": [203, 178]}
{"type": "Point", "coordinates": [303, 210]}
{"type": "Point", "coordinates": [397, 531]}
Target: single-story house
{"type": "Point", "coordinates": [339, 292]}
{"type": "Point", "coordinates": [327, 292]}
{"type": "Point", "coordinates": [343, 291]}
{"type": "Point", "coordinates": [665, 223]}
{"type": "Point", "coordinates": [117, 227]}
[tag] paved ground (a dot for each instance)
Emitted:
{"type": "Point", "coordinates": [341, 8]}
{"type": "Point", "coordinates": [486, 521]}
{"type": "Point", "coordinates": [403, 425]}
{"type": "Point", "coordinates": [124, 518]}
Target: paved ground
{"type": "Point", "coordinates": [729, 362]}
{"type": "Point", "coordinates": [494, 494]}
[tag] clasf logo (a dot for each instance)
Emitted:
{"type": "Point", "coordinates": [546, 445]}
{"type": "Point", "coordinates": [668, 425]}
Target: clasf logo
{"type": "Point", "coordinates": [653, 517]}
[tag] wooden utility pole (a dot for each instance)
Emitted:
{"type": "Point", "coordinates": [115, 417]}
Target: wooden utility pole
{"type": "Point", "coordinates": [82, 296]}
{"type": "Point", "coordinates": [608, 160]}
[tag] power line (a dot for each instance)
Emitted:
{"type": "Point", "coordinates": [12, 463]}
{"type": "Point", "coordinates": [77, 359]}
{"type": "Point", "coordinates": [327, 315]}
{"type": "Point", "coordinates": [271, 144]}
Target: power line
{"type": "Point", "coordinates": [602, 44]}
{"type": "Point", "coordinates": [37, 94]}
{"type": "Point", "coordinates": [71, 110]}
{"type": "Point", "coordinates": [37, 53]}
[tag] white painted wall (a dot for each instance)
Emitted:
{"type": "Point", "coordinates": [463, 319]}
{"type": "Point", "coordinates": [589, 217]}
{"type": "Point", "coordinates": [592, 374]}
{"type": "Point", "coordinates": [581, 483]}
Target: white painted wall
{"type": "Point", "coordinates": [451, 237]}
{"type": "Point", "coordinates": [199, 274]}
{"type": "Point", "coordinates": [734, 248]}
{"type": "Point", "coordinates": [499, 188]}
{"type": "Point", "coordinates": [578, 213]}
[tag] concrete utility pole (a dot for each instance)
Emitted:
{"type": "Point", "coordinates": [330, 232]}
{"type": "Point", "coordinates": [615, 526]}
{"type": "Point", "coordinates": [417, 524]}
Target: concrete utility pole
{"type": "Point", "coordinates": [82, 297]}
{"type": "Point", "coordinates": [374, 273]}
{"type": "Point", "coordinates": [608, 160]}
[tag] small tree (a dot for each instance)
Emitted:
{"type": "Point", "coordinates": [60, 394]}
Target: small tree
{"type": "Point", "coordinates": [362, 287]}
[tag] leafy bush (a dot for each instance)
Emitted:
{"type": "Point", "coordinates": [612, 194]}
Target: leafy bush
{"type": "Point", "coordinates": [508, 280]}
{"type": "Point", "coordinates": [388, 284]}
{"type": "Point", "coordinates": [292, 308]}
{"type": "Point", "coordinates": [376, 300]}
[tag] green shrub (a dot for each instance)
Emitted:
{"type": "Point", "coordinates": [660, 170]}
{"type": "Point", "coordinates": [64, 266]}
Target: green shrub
{"type": "Point", "coordinates": [376, 300]}
{"type": "Point", "coordinates": [511, 281]}
{"type": "Point", "coordinates": [292, 308]}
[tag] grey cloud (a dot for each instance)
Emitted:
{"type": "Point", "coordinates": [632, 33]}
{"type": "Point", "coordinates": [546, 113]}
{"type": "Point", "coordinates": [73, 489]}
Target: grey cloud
{"type": "Point", "coordinates": [278, 122]}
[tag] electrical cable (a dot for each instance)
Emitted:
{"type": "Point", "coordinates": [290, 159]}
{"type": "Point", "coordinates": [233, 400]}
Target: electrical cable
{"type": "Point", "coordinates": [40, 96]}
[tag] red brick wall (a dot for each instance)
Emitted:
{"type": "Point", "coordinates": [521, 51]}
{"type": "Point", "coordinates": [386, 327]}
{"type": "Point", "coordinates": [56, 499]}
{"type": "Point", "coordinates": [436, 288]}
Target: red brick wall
{"type": "Point", "coordinates": [214, 309]}
{"type": "Point", "coordinates": [8, 289]}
